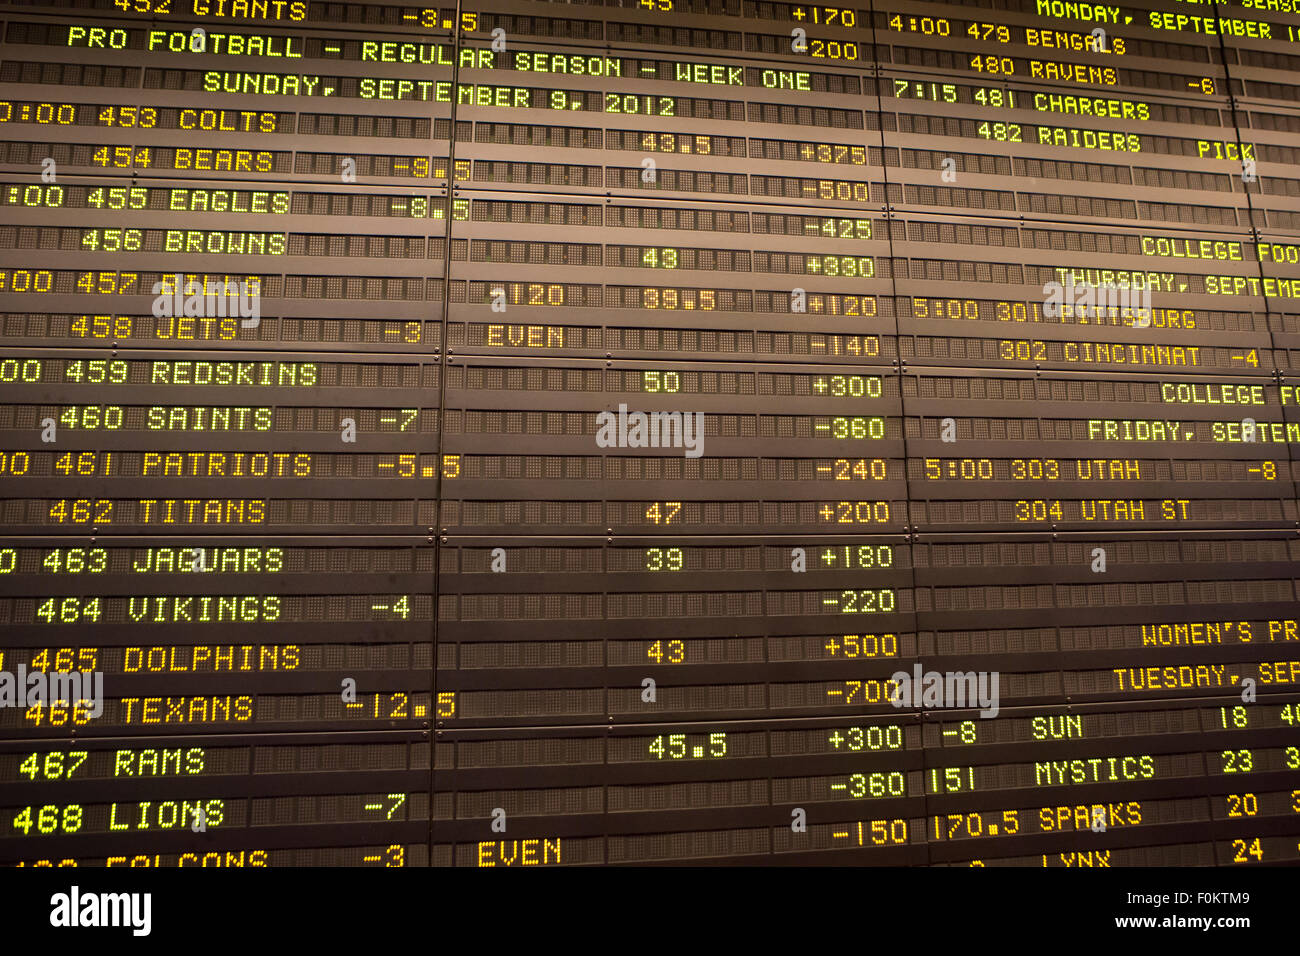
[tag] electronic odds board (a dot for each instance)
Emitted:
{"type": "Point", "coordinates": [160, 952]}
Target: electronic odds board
{"type": "Point", "coordinates": [522, 434]}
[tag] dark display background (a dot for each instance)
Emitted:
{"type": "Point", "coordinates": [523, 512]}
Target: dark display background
{"type": "Point", "coordinates": [919, 183]}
